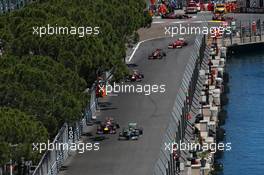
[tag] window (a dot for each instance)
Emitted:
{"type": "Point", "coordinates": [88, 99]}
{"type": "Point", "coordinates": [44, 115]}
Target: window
{"type": "Point", "coordinates": [260, 3]}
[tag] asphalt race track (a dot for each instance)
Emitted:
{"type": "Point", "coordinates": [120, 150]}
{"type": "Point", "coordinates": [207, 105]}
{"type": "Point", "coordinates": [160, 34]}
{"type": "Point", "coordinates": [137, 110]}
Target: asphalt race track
{"type": "Point", "coordinates": [150, 112]}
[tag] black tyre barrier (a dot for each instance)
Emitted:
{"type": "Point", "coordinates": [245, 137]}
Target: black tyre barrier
{"type": "Point", "coordinates": [218, 167]}
{"type": "Point", "coordinates": [222, 117]}
{"type": "Point", "coordinates": [226, 77]}
{"type": "Point", "coordinates": [224, 99]}
{"type": "Point", "coordinates": [221, 122]}
{"type": "Point", "coordinates": [220, 134]}
{"type": "Point", "coordinates": [218, 154]}
{"type": "Point", "coordinates": [226, 89]}
{"type": "Point", "coordinates": [222, 114]}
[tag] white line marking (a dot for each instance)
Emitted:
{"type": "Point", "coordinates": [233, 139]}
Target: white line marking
{"type": "Point", "coordinates": [178, 22]}
{"type": "Point", "coordinates": [158, 22]}
{"type": "Point", "coordinates": [156, 17]}
{"type": "Point", "coordinates": [197, 21]}
{"type": "Point", "coordinates": [138, 44]}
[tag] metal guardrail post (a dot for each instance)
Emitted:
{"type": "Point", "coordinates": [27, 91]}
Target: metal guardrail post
{"type": "Point", "coordinates": [241, 32]}
{"type": "Point", "coordinates": [260, 38]}
{"type": "Point", "coordinates": [250, 32]}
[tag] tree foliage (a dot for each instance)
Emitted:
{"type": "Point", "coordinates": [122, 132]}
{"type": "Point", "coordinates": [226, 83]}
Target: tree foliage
{"type": "Point", "coordinates": [43, 87]}
{"type": "Point", "coordinates": [43, 78]}
{"type": "Point", "coordinates": [17, 133]}
{"type": "Point", "coordinates": [117, 21]}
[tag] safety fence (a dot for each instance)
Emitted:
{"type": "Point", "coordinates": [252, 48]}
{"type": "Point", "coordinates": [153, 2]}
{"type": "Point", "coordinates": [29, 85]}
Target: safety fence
{"type": "Point", "coordinates": [244, 32]}
{"type": "Point", "coordinates": [168, 163]}
{"type": "Point", "coordinates": [250, 10]}
{"type": "Point", "coordinates": [69, 134]}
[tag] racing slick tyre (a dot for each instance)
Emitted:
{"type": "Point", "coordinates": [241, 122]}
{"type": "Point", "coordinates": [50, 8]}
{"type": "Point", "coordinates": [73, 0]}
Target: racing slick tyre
{"type": "Point", "coordinates": [150, 58]}
{"type": "Point", "coordinates": [140, 131]}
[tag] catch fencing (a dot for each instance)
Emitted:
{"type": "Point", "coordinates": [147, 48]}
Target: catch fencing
{"type": "Point", "coordinates": [244, 32]}
{"type": "Point", "coordinates": [53, 160]}
{"type": "Point", "coordinates": [166, 163]}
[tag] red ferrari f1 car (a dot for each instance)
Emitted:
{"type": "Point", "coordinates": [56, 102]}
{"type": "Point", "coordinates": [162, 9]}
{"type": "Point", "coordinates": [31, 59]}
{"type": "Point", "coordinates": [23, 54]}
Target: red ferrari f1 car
{"type": "Point", "coordinates": [135, 76]}
{"type": "Point", "coordinates": [157, 54]}
{"type": "Point", "coordinates": [109, 126]}
{"type": "Point", "coordinates": [175, 16]}
{"type": "Point", "coordinates": [221, 17]}
{"type": "Point", "coordinates": [179, 43]}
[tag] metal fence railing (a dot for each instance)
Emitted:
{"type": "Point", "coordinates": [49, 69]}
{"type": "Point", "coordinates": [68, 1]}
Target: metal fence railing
{"type": "Point", "coordinates": [244, 32]}
{"type": "Point", "coordinates": [166, 163]}
{"type": "Point", "coordinates": [53, 160]}
{"type": "Point", "coordinates": [250, 10]}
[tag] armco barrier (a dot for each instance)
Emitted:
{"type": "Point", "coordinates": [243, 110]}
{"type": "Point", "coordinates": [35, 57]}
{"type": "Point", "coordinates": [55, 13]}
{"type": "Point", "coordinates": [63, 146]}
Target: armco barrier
{"type": "Point", "coordinates": [166, 164]}
{"type": "Point", "coordinates": [53, 160]}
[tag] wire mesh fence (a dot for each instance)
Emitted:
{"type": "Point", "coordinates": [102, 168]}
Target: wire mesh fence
{"type": "Point", "coordinates": [168, 163]}
{"type": "Point", "coordinates": [69, 134]}
{"type": "Point", "coordinates": [243, 32]}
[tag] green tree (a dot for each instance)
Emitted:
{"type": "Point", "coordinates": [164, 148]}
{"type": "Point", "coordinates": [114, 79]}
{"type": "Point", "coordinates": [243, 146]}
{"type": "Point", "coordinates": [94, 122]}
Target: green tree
{"type": "Point", "coordinates": [18, 132]}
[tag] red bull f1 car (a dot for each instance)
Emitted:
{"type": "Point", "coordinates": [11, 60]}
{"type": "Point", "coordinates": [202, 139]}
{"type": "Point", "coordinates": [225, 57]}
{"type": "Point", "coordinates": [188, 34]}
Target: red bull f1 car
{"type": "Point", "coordinates": [157, 54]}
{"type": "Point", "coordinates": [179, 43]}
{"type": "Point", "coordinates": [109, 126]}
{"type": "Point", "coordinates": [130, 133]}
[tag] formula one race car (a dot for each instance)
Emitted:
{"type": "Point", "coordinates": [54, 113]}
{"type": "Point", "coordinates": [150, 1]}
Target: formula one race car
{"type": "Point", "coordinates": [175, 16]}
{"type": "Point", "coordinates": [135, 76]}
{"type": "Point", "coordinates": [157, 54]}
{"type": "Point", "coordinates": [109, 126]}
{"type": "Point", "coordinates": [220, 8]}
{"type": "Point", "coordinates": [221, 17]}
{"type": "Point", "coordinates": [130, 133]}
{"type": "Point", "coordinates": [179, 43]}
{"type": "Point", "coordinates": [218, 17]}
{"type": "Point", "coordinates": [192, 7]}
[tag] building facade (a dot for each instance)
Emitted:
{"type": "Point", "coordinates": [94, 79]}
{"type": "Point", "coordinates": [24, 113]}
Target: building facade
{"type": "Point", "coordinates": [9, 5]}
{"type": "Point", "coordinates": [250, 6]}
{"type": "Point", "coordinates": [251, 3]}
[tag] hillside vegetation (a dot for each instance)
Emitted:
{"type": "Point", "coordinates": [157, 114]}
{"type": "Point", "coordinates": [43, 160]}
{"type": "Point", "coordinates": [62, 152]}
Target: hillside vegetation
{"type": "Point", "coordinates": [42, 79]}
